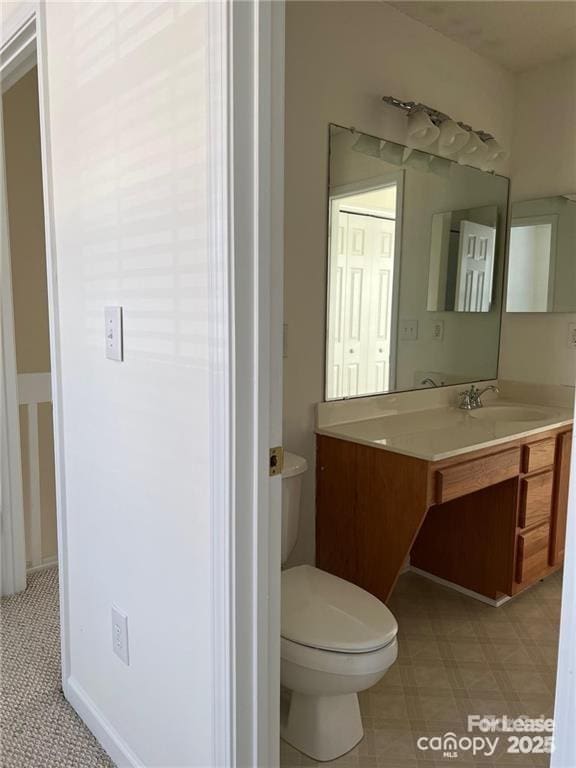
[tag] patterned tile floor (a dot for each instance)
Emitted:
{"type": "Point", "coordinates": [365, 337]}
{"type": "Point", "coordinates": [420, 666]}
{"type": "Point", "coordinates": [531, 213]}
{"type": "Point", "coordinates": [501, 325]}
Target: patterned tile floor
{"type": "Point", "coordinates": [457, 657]}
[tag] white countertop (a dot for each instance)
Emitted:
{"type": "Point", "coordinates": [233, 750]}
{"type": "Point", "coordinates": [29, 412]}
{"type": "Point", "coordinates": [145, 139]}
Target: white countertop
{"type": "Point", "coordinates": [441, 433]}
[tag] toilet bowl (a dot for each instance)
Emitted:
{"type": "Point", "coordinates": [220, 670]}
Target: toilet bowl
{"type": "Point", "coordinates": [337, 640]}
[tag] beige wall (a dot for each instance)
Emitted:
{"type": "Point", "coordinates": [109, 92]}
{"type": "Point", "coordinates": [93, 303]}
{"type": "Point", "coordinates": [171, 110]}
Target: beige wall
{"type": "Point", "coordinates": [28, 260]}
{"type": "Point", "coordinates": [341, 57]}
{"type": "Point", "coordinates": [534, 347]}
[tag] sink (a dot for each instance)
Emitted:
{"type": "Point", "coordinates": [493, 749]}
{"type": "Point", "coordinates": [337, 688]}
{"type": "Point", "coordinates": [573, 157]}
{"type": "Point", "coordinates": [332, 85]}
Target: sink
{"type": "Point", "coordinates": [510, 413]}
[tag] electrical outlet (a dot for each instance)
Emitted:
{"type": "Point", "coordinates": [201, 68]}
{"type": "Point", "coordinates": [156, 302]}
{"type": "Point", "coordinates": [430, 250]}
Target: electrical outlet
{"type": "Point", "coordinates": [113, 333]}
{"type": "Point", "coordinates": [408, 330]}
{"type": "Point", "coordinates": [437, 330]}
{"type": "Point", "coordinates": [120, 635]}
{"type": "Point", "coordinates": [572, 335]}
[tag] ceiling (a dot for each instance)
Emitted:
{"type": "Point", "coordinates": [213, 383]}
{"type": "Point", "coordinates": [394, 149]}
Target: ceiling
{"type": "Point", "coordinates": [516, 34]}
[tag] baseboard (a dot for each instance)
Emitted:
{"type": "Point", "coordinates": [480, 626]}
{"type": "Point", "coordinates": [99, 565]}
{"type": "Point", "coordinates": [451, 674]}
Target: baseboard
{"type": "Point", "coordinates": [48, 562]}
{"type": "Point", "coordinates": [458, 588]}
{"type": "Point", "coordinates": [105, 734]}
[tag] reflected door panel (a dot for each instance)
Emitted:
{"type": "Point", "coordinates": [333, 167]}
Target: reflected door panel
{"type": "Point", "coordinates": [475, 267]}
{"type": "Point", "coordinates": [361, 300]}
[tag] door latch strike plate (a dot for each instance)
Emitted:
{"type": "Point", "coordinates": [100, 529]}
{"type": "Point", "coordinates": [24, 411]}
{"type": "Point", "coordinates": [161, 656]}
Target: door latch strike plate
{"type": "Point", "coordinates": [276, 460]}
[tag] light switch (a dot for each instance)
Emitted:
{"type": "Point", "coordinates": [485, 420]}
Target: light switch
{"type": "Point", "coordinates": [408, 330]}
{"type": "Point", "coordinates": [113, 333]}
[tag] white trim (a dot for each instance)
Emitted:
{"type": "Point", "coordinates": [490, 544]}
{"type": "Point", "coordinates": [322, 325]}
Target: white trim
{"type": "Point", "coordinates": [47, 562]}
{"type": "Point", "coordinates": [34, 388]}
{"type": "Point", "coordinates": [458, 588]}
{"type": "Point", "coordinates": [221, 357]}
{"type": "Point", "coordinates": [12, 540]}
{"type": "Point", "coordinates": [17, 54]}
{"type": "Point", "coordinates": [564, 755]}
{"type": "Point", "coordinates": [102, 729]}
{"type": "Point", "coordinates": [32, 33]}
{"type": "Point", "coordinates": [257, 166]}
{"type": "Point", "coordinates": [34, 481]}
{"type": "Point", "coordinates": [54, 330]}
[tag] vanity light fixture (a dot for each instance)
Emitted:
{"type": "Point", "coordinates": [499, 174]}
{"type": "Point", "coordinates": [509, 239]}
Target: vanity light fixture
{"type": "Point", "coordinates": [474, 151]}
{"type": "Point", "coordinates": [421, 130]}
{"type": "Point", "coordinates": [495, 151]}
{"type": "Point", "coordinates": [454, 138]}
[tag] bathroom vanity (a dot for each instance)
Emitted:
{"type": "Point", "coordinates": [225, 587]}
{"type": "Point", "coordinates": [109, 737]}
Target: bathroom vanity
{"type": "Point", "coordinates": [476, 499]}
{"type": "Point", "coordinates": [416, 252]}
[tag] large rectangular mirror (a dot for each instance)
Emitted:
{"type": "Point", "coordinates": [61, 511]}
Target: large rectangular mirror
{"type": "Point", "coordinates": [415, 268]}
{"type": "Point", "coordinates": [542, 256]}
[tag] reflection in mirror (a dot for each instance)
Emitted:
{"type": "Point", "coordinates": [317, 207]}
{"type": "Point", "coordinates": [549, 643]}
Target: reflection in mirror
{"type": "Point", "coordinates": [415, 268]}
{"type": "Point", "coordinates": [542, 256]}
{"type": "Point", "coordinates": [462, 251]}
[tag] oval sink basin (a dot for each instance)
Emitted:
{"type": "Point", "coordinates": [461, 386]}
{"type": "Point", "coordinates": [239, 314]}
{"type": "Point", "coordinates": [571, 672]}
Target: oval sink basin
{"type": "Point", "coordinates": [510, 413]}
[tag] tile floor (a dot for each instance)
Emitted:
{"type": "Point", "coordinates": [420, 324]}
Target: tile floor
{"type": "Point", "coordinates": [457, 656]}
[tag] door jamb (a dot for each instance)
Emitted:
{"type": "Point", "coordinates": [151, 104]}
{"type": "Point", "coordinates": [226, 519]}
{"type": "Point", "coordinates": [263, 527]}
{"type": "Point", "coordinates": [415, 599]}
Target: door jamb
{"type": "Point", "coordinates": [15, 50]}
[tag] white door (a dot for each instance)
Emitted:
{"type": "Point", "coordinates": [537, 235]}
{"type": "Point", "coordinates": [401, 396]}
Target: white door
{"type": "Point", "coordinates": [361, 299]}
{"type": "Point", "coordinates": [359, 254]}
{"type": "Point", "coordinates": [380, 318]}
{"type": "Point", "coordinates": [475, 267]}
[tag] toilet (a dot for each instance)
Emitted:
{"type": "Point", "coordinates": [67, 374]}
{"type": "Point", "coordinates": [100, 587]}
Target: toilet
{"type": "Point", "coordinates": [337, 640]}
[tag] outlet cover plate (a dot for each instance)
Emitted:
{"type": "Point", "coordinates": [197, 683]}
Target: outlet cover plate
{"type": "Point", "coordinates": [120, 635]}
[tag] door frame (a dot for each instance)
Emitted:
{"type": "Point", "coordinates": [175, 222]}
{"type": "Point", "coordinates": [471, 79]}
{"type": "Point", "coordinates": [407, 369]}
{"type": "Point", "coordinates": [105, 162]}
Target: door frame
{"type": "Point", "coordinates": [21, 49]}
{"type": "Point", "coordinates": [247, 72]}
{"type": "Point", "coordinates": [257, 172]}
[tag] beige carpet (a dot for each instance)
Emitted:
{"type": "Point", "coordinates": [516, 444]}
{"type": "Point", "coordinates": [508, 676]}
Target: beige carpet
{"type": "Point", "coordinates": [38, 728]}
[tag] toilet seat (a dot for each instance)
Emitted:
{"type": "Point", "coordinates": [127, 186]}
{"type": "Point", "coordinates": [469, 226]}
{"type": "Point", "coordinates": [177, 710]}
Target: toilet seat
{"type": "Point", "coordinates": [322, 611]}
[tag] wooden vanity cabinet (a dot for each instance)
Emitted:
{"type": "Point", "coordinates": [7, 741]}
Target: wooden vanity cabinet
{"type": "Point", "coordinates": [492, 521]}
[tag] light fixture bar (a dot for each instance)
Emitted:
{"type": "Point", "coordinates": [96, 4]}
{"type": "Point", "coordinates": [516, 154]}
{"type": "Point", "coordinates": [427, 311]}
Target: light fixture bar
{"type": "Point", "coordinates": [435, 116]}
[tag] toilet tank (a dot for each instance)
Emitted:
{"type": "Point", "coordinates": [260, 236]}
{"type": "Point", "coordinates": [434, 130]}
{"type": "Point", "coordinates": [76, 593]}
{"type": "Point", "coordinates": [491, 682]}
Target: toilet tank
{"type": "Point", "coordinates": [294, 468]}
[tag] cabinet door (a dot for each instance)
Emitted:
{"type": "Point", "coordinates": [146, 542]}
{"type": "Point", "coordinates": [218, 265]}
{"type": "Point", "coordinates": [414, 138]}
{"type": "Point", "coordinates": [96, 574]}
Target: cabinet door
{"type": "Point", "coordinates": [560, 508]}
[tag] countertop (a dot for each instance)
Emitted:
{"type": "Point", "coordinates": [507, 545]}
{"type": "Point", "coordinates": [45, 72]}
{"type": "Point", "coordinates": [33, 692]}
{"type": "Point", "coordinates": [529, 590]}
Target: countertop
{"type": "Point", "coordinates": [442, 433]}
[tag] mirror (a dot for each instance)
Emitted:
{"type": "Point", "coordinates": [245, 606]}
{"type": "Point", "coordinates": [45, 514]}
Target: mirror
{"type": "Point", "coordinates": [415, 268]}
{"type": "Point", "coordinates": [542, 256]}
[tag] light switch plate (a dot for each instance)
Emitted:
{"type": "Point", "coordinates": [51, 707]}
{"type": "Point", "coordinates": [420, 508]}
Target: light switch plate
{"type": "Point", "coordinates": [408, 330]}
{"type": "Point", "coordinates": [113, 333]}
{"type": "Point", "coordinates": [120, 635]}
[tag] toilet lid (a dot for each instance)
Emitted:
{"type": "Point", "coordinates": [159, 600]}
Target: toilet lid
{"type": "Point", "coordinates": [320, 610]}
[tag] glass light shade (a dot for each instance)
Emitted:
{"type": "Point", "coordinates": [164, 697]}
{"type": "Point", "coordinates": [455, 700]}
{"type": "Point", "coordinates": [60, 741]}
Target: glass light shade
{"type": "Point", "coordinates": [392, 153]}
{"type": "Point", "coordinates": [421, 130]}
{"type": "Point", "coordinates": [419, 161]}
{"type": "Point", "coordinates": [367, 145]}
{"type": "Point", "coordinates": [474, 151]}
{"type": "Point", "coordinates": [495, 152]}
{"type": "Point", "coordinates": [452, 138]}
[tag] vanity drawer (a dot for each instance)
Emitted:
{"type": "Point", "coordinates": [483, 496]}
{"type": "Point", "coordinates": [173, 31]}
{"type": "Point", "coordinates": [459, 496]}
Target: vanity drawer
{"type": "Point", "coordinates": [532, 560]}
{"type": "Point", "coordinates": [536, 499]}
{"type": "Point", "coordinates": [539, 455]}
{"type": "Point", "coordinates": [474, 475]}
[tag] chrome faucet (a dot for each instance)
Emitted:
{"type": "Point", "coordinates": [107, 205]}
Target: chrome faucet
{"type": "Point", "coordinates": [472, 398]}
